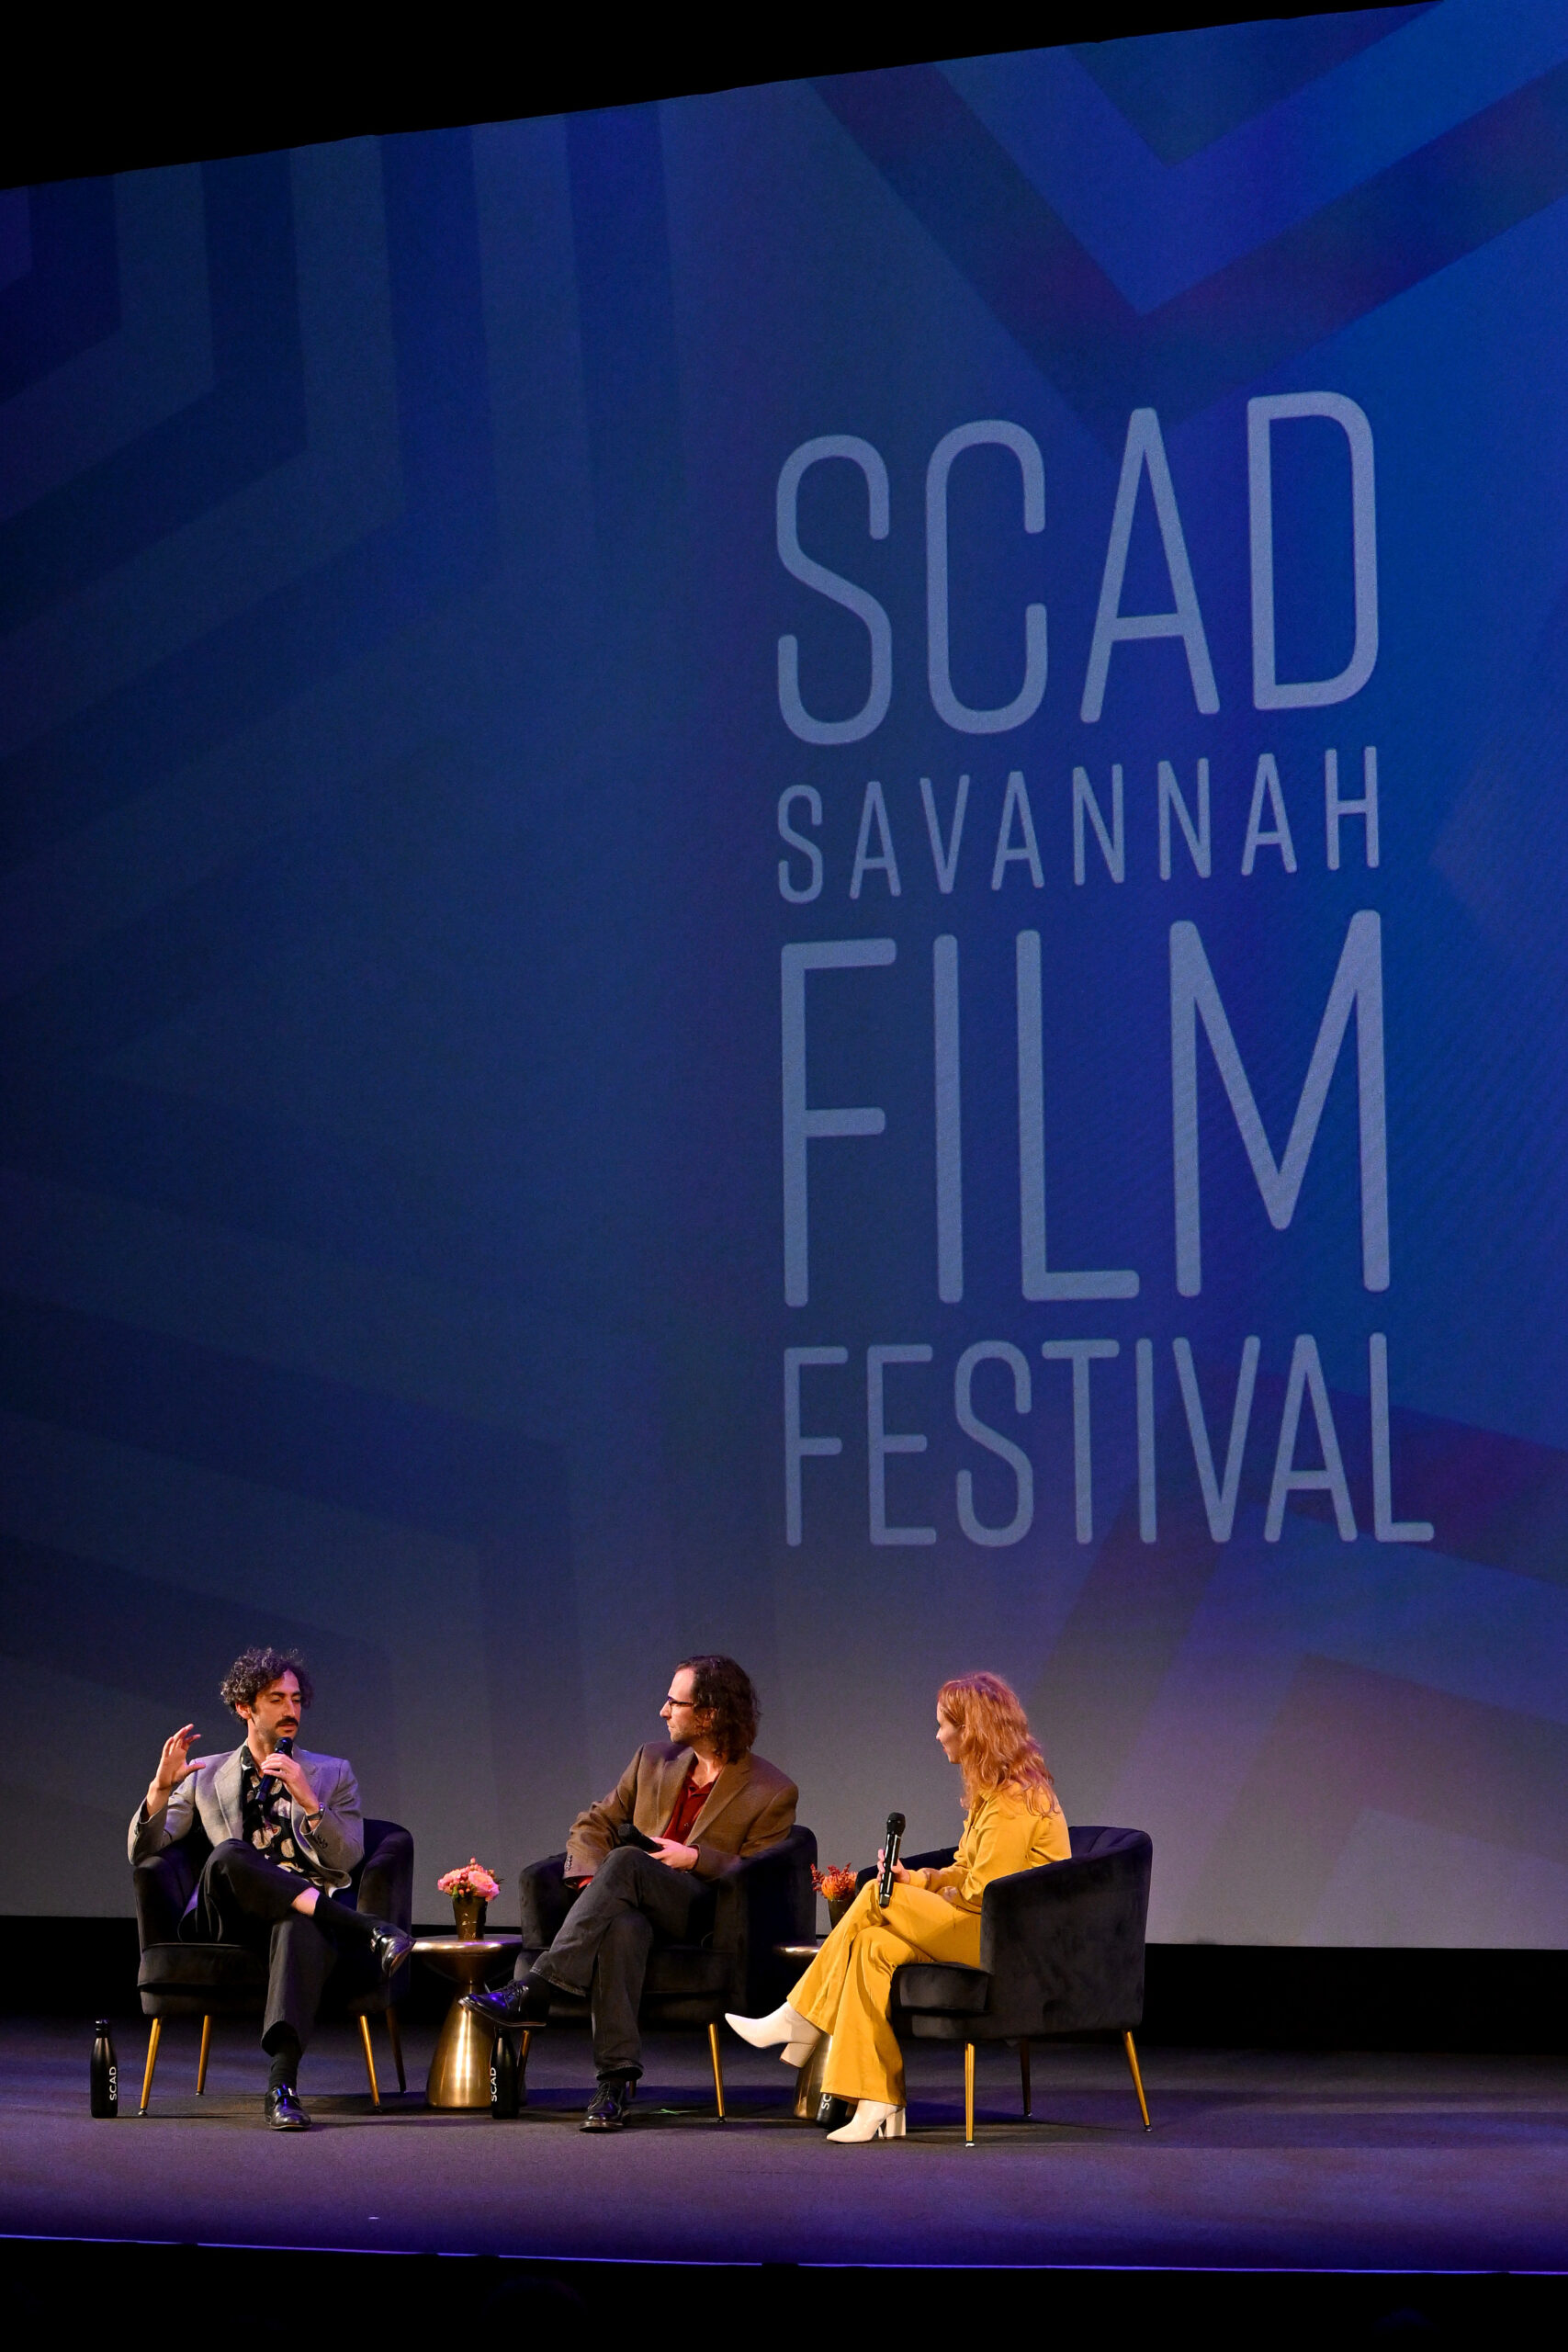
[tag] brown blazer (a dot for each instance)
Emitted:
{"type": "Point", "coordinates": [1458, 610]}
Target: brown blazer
{"type": "Point", "coordinates": [751, 1806]}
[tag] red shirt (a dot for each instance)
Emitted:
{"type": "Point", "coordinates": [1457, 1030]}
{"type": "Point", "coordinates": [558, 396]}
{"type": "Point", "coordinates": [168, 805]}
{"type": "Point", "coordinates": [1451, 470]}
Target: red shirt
{"type": "Point", "coordinates": [688, 1805]}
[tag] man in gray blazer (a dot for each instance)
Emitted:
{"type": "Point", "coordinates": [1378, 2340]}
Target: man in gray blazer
{"type": "Point", "coordinates": [286, 1832]}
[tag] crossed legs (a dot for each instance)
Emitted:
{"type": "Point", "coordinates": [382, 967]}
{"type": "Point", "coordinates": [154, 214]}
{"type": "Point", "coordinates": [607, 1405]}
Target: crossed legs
{"type": "Point", "coordinates": [601, 1951]}
{"type": "Point", "coordinates": [848, 1989]}
{"type": "Point", "coordinates": [242, 1898]}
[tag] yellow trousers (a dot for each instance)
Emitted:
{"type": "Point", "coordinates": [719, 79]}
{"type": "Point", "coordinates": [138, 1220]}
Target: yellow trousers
{"type": "Point", "coordinates": [848, 1989]}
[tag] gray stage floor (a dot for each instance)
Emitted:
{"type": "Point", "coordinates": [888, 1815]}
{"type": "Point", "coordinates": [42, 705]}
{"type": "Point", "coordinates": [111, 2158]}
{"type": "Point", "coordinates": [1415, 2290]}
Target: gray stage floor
{"type": "Point", "coordinates": [1256, 2161]}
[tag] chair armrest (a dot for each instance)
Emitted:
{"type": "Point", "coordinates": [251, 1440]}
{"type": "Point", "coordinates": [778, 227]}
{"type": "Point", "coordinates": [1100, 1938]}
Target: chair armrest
{"type": "Point", "coordinates": [544, 1899]}
{"type": "Point", "coordinates": [384, 1880]}
{"type": "Point", "coordinates": [162, 1885]}
{"type": "Point", "coordinates": [767, 1895]}
{"type": "Point", "coordinates": [765, 1900]}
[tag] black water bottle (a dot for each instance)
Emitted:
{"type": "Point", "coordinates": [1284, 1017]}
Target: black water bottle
{"type": "Point", "coordinates": [104, 2073]}
{"type": "Point", "coordinates": [502, 2078]}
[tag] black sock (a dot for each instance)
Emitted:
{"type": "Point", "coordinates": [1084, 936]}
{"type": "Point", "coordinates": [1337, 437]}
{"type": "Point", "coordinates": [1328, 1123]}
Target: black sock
{"type": "Point", "coordinates": [342, 1923]}
{"type": "Point", "coordinates": [285, 2068]}
{"type": "Point", "coordinates": [538, 1974]}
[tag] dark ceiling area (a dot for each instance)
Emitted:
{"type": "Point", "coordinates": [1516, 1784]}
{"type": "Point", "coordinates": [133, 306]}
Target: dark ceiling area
{"type": "Point", "coordinates": [145, 93]}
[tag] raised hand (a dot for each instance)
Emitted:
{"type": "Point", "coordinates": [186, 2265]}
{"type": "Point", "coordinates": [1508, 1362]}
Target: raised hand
{"type": "Point", "coordinates": [901, 1877]}
{"type": "Point", "coordinates": [174, 1766]}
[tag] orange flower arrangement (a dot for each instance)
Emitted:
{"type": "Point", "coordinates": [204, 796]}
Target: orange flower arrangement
{"type": "Point", "coordinates": [836, 1883]}
{"type": "Point", "coordinates": [835, 1886]}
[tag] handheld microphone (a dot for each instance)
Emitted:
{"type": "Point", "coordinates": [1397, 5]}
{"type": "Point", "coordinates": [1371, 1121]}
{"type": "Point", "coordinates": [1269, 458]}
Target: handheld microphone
{"type": "Point", "coordinates": [892, 1839]}
{"type": "Point", "coordinates": [284, 1746]}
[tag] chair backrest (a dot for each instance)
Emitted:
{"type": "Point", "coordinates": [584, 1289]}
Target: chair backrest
{"type": "Point", "coordinates": [1090, 1844]}
{"type": "Point", "coordinates": [1064, 1944]}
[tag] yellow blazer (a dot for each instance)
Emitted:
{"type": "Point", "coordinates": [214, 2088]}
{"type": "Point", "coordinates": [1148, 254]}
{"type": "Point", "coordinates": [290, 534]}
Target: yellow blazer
{"type": "Point", "coordinates": [1001, 1836]}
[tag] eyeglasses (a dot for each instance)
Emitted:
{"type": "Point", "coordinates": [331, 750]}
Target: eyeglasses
{"type": "Point", "coordinates": [672, 1702]}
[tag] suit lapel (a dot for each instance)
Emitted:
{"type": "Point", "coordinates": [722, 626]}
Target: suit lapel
{"type": "Point", "coordinates": [664, 1789]}
{"type": "Point", "coordinates": [732, 1779]}
{"type": "Point", "coordinates": [226, 1794]}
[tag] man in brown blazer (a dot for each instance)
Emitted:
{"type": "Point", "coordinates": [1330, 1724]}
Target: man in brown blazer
{"type": "Point", "coordinates": [697, 1803]}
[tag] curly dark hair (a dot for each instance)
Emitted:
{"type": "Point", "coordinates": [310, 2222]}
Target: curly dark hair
{"type": "Point", "coordinates": [725, 1691]}
{"type": "Point", "coordinates": [251, 1672]}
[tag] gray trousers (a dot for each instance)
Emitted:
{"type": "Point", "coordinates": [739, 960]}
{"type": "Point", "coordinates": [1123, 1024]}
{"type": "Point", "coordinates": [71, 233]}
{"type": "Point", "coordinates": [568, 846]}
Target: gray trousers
{"type": "Point", "coordinates": [601, 1952]}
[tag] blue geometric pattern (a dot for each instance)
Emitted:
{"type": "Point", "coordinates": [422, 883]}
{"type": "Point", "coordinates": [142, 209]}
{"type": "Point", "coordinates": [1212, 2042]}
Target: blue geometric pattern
{"type": "Point", "coordinates": [1241, 322]}
{"type": "Point", "coordinates": [391, 758]}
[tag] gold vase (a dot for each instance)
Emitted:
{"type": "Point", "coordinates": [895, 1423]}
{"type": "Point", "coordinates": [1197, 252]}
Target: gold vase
{"type": "Point", "coordinates": [468, 1911]}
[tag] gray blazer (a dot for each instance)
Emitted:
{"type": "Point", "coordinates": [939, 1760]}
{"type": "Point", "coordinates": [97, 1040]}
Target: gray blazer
{"type": "Point", "coordinates": [212, 1796]}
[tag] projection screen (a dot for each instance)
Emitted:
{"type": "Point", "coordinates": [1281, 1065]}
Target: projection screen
{"type": "Point", "coordinates": [785, 874]}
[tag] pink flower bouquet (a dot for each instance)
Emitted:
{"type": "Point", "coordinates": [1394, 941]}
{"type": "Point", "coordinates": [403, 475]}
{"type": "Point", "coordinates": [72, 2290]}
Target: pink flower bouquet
{"type": "Point", "coordinates": [471, 1889]}
{"type": "Point", "coordinates": [472, 1879]}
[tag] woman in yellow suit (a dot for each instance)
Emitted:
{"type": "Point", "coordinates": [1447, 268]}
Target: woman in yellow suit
{"type": "Point", "coordinates": [1012, 1821]}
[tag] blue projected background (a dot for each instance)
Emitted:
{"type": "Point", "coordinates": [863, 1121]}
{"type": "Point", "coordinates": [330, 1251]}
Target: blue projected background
{"type": "Point", "coordinates": [785, 873]}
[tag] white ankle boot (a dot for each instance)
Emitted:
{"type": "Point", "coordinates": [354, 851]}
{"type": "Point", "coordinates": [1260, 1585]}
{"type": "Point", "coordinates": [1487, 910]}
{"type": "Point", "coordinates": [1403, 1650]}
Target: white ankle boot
{"type": "Point", "coordinates": [799, 2036]}
{"type": "Point", "coordinates": [870, 2120]}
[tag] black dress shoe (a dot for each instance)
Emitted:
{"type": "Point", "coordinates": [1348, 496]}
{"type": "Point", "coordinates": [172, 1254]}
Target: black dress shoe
{"type": "Point", "coordinates": [526, 2001]}
{"type": "Point", "coordinates": [284, 2112]}
{"type": "Point", "coordinates": [607, 2108]}
{"type": "Point", "coordinates": [390, 1947]}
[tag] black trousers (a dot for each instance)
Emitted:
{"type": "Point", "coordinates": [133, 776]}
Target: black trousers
{"type": "Point", "coordinates": [242, 1898]}
{"type": "Point", "coordinates": [632, 1902]}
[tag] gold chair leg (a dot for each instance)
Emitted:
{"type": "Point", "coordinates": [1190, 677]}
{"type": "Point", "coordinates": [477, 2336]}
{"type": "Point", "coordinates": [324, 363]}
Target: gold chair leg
{"type": "Point", "coordinates": [1023, 2070]}
{"type": "Point", "coordinates": [969, 2094]}
{"type": "Point", "coordinates": [201, 2060]}
{"type": "Point", "coordinates": [394, 2035]}
{"type": "Point", "coordinates": [718, 2070]}
{"type": "Point", "coordinates": [525, 2037]}
{"type": "Point", "coordinates": [1137, 2080]}
{"type": "Point", "coordinates": [369, 2058]}
{"type": "Point", "coordinates": [152, 2040]}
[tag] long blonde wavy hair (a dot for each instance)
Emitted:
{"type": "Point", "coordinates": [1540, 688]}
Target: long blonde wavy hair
{"type": "Point", "coordinates": [995, 1748]}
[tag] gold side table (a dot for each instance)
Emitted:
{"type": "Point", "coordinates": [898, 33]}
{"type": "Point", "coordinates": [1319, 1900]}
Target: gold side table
{"type": "Point", "coordinates": [808, 2078]}
{"type": "Point", "coordinates": [459, 2071]}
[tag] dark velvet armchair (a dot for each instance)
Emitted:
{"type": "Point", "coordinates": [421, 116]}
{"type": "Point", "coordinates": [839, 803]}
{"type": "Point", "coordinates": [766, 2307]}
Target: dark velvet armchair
{"type": "Point", "coordinates": [730, 1964]}
{"type": "Point", "coordinates": [1061, 1952]}
{"type": "Point", "coordinates": [188, 1980]}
